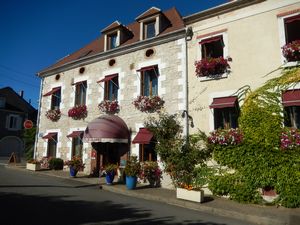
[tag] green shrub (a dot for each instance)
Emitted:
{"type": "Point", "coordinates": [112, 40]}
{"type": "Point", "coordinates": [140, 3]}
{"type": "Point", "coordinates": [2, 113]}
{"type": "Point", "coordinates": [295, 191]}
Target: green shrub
{"type": "Point", "coordinates": [56, 164]}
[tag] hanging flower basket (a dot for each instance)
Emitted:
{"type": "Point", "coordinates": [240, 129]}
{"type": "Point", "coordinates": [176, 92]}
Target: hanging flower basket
{"type": "Point", "coordinates": [291, 51]}
{"type": "Point", "coordinates": [148, 103]}
{"type": "Point", "coordinates": [53, 114]}
{"type": "Point", "coordinates": [211, 67]}
{"type": "Point", "coordinates": [226, 137]}
{"type": "Point", "coordinates": [78, 112]}
{"type": "Point", "coordinates": [290, 139]}
{"type": "Point", "coordinates": [110, 107]}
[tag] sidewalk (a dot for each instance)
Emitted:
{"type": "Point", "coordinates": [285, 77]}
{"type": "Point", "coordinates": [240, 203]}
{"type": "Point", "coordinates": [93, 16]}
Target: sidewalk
{"type": "Point", "coordinates": [264, 215]}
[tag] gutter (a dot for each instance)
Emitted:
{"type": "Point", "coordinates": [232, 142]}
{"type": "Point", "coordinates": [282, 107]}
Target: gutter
{"type": "Point", "coordinates": [115, 52]}
{"type": "Point", "coordinates": [218, 10]}
{"type": "Point", "coordinates": [38, 119]}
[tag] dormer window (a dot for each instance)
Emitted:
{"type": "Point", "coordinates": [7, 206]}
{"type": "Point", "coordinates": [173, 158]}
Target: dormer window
{"type": "Point", "coordinates": [149, 29]}
{"type": "Point", "coordinates": [112, 40]}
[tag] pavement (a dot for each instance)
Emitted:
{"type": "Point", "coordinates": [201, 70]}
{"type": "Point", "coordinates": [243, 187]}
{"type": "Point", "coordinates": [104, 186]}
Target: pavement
{"type": "Point", "coordinates": [256, 214]}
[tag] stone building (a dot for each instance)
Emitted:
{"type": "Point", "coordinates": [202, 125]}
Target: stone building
{"type": "Point", "coordinates": [144, 58]}
{"type": "Point", "coordinates": [249, 36]}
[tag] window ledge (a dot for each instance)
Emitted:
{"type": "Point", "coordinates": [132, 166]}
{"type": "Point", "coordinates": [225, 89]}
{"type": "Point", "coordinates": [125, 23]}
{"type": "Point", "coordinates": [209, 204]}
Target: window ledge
{"type": "Point", "coordinates": [291, 64]}
{"type": "Point", "coordinates": [214, 77]}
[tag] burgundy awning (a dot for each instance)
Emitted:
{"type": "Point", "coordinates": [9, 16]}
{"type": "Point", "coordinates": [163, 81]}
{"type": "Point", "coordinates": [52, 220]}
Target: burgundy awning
{"type": "Point", "coordinates": [107, 78]}
{"type": "Point", "coordinates": [107, 128]}
{"type": "Point", "coordinates": [209, 40]}
{"type": "Point", "coordinates": [292, 19]}
{"type": "Point", "coordinates": [75, 134]}
{"type": "Point", "coordinates": [49, 135]}
{"type": "Point", "coordinates": [52, 91]}
{"type": "Point", "coordinates": [147, 68]}
{"type": "Point", "coordinates": [144, 136]}
{"type": "Point", "coordinates": [291, 98]}
{"type": "Point", "coordinates": [224, 102]}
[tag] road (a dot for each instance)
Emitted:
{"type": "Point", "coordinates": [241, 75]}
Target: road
{"type": "Point", "coordinates": [28, 198]}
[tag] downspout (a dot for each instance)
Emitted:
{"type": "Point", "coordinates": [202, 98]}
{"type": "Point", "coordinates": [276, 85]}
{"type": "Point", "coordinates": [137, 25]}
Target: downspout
{"type": "Point", "coordinates": [185, 91]}
{"type": "Point", "coordinates": [38, 119]}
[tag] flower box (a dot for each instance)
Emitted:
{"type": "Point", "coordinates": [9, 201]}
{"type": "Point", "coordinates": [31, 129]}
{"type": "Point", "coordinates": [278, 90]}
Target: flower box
{"type": "Point", "coordinates": [291, 51]}
{"type": "Point", "coordinates": [148, 103]}
{"type": "Point", "coordinates": [190, 195]}
{"type": "Point", "coordinates": [108, 106]}
{"type": "Point", "coordinates": [53, 114]}
{"type": "Point", "coordinates": [33, 166]}
{"type": "Point", "coordinates": [78, 112]}
{"type": "Point", "coordinates": [213, 68]}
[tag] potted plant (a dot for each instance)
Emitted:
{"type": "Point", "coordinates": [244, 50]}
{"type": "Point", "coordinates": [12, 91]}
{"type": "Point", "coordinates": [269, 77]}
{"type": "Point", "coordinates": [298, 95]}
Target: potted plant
{"type": "Point", "coordinates": [291, 51]}
{"type": "Point", "coordinates": [151, 172]}
{"type": "Point", "coordinates": [110, 172]}
{"type": "Point", "coordinates": [148, 103]}
{"type": "Point", "coordinates": [75, 165]}
{"type": "Point", "coordinates": [108, 106]}
{"type": "Point", "coordinates": [33, 164]}
{"type": "Point", "coordinates": [53, 114]}
{"type": "Point", "coordinates": [78, 112]}
{"type": "Point", "coordinates": [132, 170]}
{"type": "Point", "coordinates": [211, 67]}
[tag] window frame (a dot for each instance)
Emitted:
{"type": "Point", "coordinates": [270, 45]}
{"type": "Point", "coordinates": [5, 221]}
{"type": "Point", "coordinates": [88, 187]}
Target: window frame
{"type": "Point", "coordinates": [109, 42]}
{"type": "Point", "coordinates": [56, 100]}
{"type": "Point", "coordinates": [52, 142]}
{"type": "Point", "coordinates": [145, 28]}
{"type": "Point", "coordinates": [77, 141]}
{"type": "Point", "coordinates": [80, 93]}
{"type": "Point", "coordinates": [227, 117]}
{"type": "Point", "coordinates": [151, 83]}
{"type": "Point", "coordinates": [147, 148]}
{"type": "Point", "coordinates": [17, 121]}
{"type": "Point", "coordinates": [109, 94]}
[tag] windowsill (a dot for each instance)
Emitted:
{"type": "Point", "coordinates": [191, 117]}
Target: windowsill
{"type": "Point", "coordinates": [214, 77]}
{"type": "Point", "coordinates": [291, 64]}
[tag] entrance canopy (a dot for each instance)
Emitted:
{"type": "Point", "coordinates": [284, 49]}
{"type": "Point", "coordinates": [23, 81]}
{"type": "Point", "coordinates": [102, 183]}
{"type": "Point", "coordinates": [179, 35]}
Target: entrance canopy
{"type": "Point", "coordinates": [107, 128]}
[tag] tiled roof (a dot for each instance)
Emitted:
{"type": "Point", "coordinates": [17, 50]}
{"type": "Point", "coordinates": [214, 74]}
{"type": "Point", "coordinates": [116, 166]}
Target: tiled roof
{"type": "Point", "coordinates": [111, 26]}
{"type": "Point", "coordinates": [97, 46]}
{"type": "Point", "coordinates": [149, 12]}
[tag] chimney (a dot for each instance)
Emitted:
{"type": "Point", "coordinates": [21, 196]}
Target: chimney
{"type": "Point", "coordinates": [21, 93]}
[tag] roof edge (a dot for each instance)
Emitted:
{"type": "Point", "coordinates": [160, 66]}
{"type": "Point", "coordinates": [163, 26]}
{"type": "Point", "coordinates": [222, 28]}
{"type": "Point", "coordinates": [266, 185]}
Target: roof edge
{"type": "Point", "coordinates": [220, 9]}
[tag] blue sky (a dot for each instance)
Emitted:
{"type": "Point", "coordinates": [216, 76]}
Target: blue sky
{"type": "Point", "coordinates": [36, 33]}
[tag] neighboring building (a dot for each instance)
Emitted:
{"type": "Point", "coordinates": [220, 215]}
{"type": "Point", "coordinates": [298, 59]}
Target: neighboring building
{"type": "Point", "coordinates": [14, 110]}
{"type": "Point", "coordinates": [145, 58]}
{"type": "Point", "coordinates": [249, 35]}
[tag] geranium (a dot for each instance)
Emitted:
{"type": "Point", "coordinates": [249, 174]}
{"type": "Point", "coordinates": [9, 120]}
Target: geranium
{"type": "Point", "coordinates": [78, 112]}
{"type": "Point", "coordinates": [108, 106]}
{"type": "Point", "coordinates": [150, 171]}
{"type": "Point", "coordinates": [226, 137]}
{"type": "Point", "coordinates": [290, 139]}
{"type": "Point", "coordinates": [148, 103]}
{"type": "Point", "coordinates": [76, 163]}
{"type": "Point", "coordinates": [291, 51]}
{"type": "Point", "coordinates": [53, 114]}
{"type": "Point", "coordinates": [211, 67]}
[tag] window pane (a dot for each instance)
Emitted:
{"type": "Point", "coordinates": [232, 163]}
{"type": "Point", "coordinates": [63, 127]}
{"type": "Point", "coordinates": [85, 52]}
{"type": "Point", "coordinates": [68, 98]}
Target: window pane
{"type": "Point", "coordinates": [56, 98]}
{"type": "Point", "coordinates": [111, 89]}
{"type": "Point", "coordinates": [226, 118]}
{"type": "Point", "coordinates": [80, 93]}
{"type": "Point", "coordinates": [154, 84]}
{"type": "Point", "coordinates": [292, 30]}
{"type": "Point", "coordinates": [52, 146]}
{"type": "Point", "coordinates": [292, 116]}
{"type": "Point", "coordinates": [212, 49]}
{"type": "Point", "coordinates": [146, 83]}
{"type": "Point", "coordinates": [113, 41]}
{"type": "Point", "coordinates": [77, 147]}
{"type": "Point", "coordinates": [149, 30]}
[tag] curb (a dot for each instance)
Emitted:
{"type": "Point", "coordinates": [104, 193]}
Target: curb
{"type": "Point", "coordinates": [283, 219]}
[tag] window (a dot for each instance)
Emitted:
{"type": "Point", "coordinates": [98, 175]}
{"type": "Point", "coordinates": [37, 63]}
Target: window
{"type": "Point", "coordinates": [292, 28]}
{"type": "Point", "coordinates": [55, 100]}
{"type": "Point", "coordinates": [149, 29]}
{"type": "Point", "coordinates": [112, 41]}
{"type": "Point", "coordinates": [111, 89]}
{"type": "Point", "coordinates": [147, 152]}
{"type": "Point", "coordinates": [77, 145]}
{"type": "Point", "coordinates": [149, 81]}
{"type": "Point", "coordinates": [13, 122]}
{"type": "Point", "coordinates": [291, 104]}
{"type": "Point", "coordinates": [226, 112]}
{"type": "Point", "coordinates": [52, 144]}
{"type": "Point", "coordinates": [80, 93]}
{"type": "Point", "coordinates": [2, 102]}
{"type": "Point", "coordinates": [212, 47]}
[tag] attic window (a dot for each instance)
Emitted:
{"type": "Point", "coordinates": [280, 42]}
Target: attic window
{"type": "Point", "coordinates": [149, 29]}
{"type": "Point", "coordinates": [112, 41]}
{"type": "Point", "coordinates": [81, 70]}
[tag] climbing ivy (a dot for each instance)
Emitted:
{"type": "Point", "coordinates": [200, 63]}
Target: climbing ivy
{"type": "Point", "coordinates": [258, 161]}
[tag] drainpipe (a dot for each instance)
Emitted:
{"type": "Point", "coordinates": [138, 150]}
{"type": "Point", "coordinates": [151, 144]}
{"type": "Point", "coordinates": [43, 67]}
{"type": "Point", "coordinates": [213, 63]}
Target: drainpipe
{"type": "Point", "coordinates": [185, 91]}
{"type": "Point", "coordinates": [38, 119]}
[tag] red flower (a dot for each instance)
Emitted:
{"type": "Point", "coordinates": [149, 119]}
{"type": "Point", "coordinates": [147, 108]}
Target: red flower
{"type": "Point", "coordinates": [108, 106]}
{"type": "Point", "coordinates": [148, 103]}
{"type": "Point", "coordinates": [291, 51]}
{"type": "Point", "coordinates": [78, 112]}
{"type": "Point", "coordinates": [211, 67]}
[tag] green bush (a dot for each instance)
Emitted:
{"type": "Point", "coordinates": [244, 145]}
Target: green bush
{"type": "Point", "coordinates": [56, 164]}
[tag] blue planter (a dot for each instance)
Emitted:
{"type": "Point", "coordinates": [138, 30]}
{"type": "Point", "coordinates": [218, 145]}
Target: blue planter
{"type": "Point", "coordinates": [131, 182]}
{"type": "Point", "coordinates": [73, 172]}
{"type": "Point", "coordinates": [110, 177]}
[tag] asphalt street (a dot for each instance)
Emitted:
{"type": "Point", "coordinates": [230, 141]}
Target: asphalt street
{"type": "Point", "coordinates": [28, 198]}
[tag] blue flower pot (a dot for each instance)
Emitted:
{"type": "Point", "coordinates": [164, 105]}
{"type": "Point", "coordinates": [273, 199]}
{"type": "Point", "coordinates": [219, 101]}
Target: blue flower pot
{"type": "Point", "coordinates": [109, 177]}
{"type": "Point", "coordinates": [131, 182]}
{"type": "Point", "coordinates": [73, 172]}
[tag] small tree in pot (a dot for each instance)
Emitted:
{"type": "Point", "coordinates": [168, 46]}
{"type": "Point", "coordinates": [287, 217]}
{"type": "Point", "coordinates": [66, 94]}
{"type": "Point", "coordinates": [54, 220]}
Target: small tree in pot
{"type": "Point", "coordinates": [132, 170]}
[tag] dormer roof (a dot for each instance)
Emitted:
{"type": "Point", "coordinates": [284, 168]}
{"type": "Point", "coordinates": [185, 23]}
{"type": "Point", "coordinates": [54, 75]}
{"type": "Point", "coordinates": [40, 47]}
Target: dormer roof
{"type": "Point", "coordinates": [150, 12]}
{"type": "Point", "coordinates": [112, 26]}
